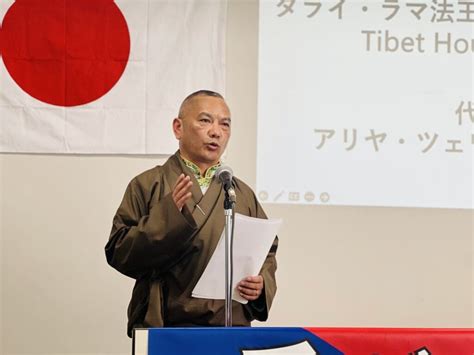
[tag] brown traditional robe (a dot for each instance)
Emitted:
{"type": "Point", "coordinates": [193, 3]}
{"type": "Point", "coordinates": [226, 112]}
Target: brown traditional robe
{"type": "Point", "coordinates": [166, 250]}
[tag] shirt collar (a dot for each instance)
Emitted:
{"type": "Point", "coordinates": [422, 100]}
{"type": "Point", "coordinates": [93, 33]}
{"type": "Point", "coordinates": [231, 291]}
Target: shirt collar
{"type": "Point", "coordinates": [203, 180]}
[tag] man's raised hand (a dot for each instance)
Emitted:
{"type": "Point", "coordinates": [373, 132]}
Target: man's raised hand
{"type": "Point", "coordinates": [182, 191]}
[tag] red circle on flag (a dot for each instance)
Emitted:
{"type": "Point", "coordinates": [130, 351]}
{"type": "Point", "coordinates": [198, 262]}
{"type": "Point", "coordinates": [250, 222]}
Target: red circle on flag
{"type": "Point", "coordinates": [65, 52]}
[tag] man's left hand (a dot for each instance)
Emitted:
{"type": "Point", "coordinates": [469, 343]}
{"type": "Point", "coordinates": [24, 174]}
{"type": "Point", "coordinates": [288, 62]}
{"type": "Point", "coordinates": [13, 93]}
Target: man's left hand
{"type": "Point", "coordinates": [251, 287]}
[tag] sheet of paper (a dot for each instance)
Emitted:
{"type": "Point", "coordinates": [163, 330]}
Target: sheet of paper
{"type": "Point", "coordinates": [253, 238]}
{"type": "Point", "coordinates": [300, 348]}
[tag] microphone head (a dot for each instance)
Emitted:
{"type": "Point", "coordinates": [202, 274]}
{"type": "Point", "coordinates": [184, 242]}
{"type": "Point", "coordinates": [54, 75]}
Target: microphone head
{"type": "Point", "coordinates": [224, 173]}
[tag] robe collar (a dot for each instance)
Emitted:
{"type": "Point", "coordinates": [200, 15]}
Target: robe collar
{"type": "Point", "coordinates": [200, 205]}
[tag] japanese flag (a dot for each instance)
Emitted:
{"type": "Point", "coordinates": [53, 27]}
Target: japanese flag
{"type": "Point", "coordinates": [104, 76]}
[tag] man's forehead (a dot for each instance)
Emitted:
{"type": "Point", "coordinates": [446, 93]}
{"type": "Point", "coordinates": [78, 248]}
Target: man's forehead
{"type": "Point", "coordinates": [206, 100]}
{"type": "Point", "coordinates": [203, 104]}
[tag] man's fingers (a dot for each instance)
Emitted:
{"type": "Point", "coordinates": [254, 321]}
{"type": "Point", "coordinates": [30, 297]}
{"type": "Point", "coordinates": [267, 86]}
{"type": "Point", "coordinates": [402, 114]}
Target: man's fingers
{"type": "Point", "coordinates": [181, 190]}
{"type": "Point", "coordinates": [181, 198]}
{"type": "Point", "coordinates": [252, 285]}
{"type": "Point", "coordinates": [248, 293]}
{"type": "Point", "coordinates": [180, 203]}
{"type": "Point", "coordinates": [253, 279]}
{"type": "Point", "coordinates": [178, 194]}
{"type": "Point", "coordinates": [181, 182]}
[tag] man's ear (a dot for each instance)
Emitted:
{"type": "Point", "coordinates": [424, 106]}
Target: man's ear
{"type": "Point", "coordinates": [177, 128]}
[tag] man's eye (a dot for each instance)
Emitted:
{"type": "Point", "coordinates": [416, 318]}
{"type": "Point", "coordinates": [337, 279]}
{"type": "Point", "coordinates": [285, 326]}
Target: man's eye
{"type": "Point", "coordinates": [205, 120]}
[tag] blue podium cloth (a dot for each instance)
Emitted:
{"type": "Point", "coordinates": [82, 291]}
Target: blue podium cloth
{"type": "Point", "coordinates": [231, 341]}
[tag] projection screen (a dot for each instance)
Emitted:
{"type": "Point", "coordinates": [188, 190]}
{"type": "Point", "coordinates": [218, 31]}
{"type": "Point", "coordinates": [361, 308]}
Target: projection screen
{"type": "Point", "coordinates": [366, 103]}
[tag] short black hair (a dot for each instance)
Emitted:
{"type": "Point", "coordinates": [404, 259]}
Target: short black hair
{"type": "Point", "coordinates": [201, 92]}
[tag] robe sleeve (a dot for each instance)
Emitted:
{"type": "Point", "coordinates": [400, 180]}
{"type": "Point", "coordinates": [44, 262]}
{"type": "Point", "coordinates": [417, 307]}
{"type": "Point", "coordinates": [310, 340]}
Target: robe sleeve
{"type": "Point", "coordinates": [144, 240]}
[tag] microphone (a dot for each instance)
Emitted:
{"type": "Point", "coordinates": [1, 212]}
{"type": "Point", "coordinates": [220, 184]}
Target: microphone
{"type": "Point", "coordinates": [225, 174]}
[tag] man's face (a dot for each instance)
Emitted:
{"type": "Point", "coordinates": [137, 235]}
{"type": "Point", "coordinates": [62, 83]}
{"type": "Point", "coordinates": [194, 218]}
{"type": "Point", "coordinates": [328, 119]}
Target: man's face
{"type": "Point", "coordinates": [203, 130]}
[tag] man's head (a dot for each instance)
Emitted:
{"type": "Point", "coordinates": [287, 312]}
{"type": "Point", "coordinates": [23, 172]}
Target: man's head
{"type": "Point", "coordinates": [203, 128]}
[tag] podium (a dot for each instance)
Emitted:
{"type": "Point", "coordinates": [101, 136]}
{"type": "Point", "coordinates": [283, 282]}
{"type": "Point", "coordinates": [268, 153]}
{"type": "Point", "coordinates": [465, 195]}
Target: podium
{"type": "Point", "coordinates": [289, 341]}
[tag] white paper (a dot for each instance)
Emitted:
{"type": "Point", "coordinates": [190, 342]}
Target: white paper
{"type": "Point", "coordinates": [301, 348]}
{"type": "Point", "coordinates": [253, 238]}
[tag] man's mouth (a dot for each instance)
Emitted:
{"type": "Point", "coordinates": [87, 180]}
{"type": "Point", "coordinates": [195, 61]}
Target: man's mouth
{"type": "Point", "coordinates": [212, 145]}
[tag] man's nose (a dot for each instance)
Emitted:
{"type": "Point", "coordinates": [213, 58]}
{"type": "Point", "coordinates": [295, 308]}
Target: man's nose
{"type": "Point", "coordinates": [215, 131]}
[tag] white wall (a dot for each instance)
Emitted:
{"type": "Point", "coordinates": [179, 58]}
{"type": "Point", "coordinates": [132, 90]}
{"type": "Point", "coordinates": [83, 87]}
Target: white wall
{"type": "Point", "coordinates": [338, 266]}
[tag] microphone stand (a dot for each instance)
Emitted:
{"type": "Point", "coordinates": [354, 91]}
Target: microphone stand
{"type": "Point", "coordinates": [229, 203]}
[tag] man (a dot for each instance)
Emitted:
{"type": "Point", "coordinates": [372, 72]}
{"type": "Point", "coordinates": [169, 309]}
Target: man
{"type": "Point", "coordinates": [169, 223]}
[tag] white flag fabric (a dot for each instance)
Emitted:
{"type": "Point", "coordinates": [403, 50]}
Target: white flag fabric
{"type": "Point", "coordinates": [103, 76]}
